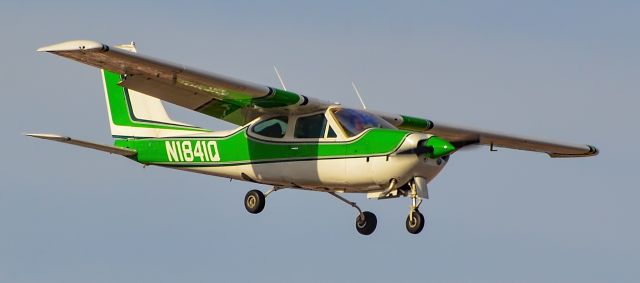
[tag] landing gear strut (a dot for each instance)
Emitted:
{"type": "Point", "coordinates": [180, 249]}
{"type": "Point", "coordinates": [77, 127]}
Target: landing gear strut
{"type": "Point", "coordinates": [415, 219]}
{"type": "Point", "coordinates": [366, 221]}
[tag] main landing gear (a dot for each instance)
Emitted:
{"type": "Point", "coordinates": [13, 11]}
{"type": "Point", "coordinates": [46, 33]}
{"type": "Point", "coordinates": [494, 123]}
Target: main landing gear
{"type": "Point", "coordinates": [254, 200]}
{"type": "Point", "coordinates": [366, 221]}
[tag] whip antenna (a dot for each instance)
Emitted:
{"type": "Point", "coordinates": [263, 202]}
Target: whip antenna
{"type": "Point", "coordinates": [358, 94]}
{"type": "Point", "coordinates": [279, 77]}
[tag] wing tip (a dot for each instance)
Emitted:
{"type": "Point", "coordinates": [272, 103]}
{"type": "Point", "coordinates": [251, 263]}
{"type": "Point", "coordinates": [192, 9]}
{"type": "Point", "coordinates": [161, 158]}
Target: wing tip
{"type": "Point", "coordinates": [74, 45]}
{"type": "Point", "coordinates": [47, 136]}
{"type": "Point", "coordinates": [592, 151]}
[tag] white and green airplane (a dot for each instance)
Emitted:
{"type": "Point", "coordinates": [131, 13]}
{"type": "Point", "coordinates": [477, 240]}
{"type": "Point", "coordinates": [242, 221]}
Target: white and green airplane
{"type": "Point", "coordinates": [283, 139]}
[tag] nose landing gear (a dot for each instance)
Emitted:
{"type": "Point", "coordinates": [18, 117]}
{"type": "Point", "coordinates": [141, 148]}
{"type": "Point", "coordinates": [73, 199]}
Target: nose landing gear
{"type": "Point", "coordinates": [415, 219]}
{"type": "Point", "coordinates": [415, 222]}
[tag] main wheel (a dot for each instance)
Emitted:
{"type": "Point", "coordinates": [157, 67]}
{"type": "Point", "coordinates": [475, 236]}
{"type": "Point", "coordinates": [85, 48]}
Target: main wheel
{"type": "Point", "coordinates": [254, 201]}
{"type": "Point", "coordinates": [368, 225]}
{"type": "Point", "coordinates": [415, 226]}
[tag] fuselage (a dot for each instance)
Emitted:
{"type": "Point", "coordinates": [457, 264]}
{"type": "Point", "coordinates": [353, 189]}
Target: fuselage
{"type": "Point", "coordinates": [363, 163]}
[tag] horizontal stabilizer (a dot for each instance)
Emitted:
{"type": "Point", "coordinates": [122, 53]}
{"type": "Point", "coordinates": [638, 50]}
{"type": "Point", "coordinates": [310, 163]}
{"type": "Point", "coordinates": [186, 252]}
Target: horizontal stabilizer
{"type": "Point", "coordinates": [100, 147]}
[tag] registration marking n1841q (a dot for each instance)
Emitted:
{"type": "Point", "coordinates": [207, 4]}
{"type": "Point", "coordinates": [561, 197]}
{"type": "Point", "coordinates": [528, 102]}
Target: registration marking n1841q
{"type": "Point", "coordinates": [192, 151]}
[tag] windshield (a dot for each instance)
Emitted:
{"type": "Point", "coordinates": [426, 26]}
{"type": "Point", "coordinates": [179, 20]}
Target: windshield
{"type": "Point", "coordinates": [355, 121]}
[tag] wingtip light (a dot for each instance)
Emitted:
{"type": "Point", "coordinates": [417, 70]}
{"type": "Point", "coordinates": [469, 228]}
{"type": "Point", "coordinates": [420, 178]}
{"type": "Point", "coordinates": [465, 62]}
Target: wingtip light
{"type": "Point", "coordinates": [73, 45]}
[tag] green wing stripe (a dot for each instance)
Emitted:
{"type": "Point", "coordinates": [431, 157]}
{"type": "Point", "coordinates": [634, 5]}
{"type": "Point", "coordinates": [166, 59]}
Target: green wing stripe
{"type": "Point", "coordinates": [279, 98]}
{"type": "Point", "coordinates": [235, 106]}
{"type": "Point", "coordinates": [415, 124]}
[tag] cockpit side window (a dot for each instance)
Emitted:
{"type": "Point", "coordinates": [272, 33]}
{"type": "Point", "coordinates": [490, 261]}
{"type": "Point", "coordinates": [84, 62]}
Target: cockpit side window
{"type": "Point", "coordinates": [310, 127]}
{"type": "Point", "coordinates": [331, 133]}
{"type": "Point", "coordinates": [274, 128]}
{"type": "Point", "coordinates": [355, 121]}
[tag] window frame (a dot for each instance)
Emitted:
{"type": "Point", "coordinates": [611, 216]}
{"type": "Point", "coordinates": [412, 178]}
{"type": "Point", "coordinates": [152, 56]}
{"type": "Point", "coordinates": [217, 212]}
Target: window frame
{"type": "Point", "coordinates": [292, 121]}
{"type": "Point", "coordinates": [331, 122]}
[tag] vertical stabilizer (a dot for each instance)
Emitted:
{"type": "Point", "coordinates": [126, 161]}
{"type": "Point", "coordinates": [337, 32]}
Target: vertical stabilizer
{"type": "Point", "coordinates": [134, 114]}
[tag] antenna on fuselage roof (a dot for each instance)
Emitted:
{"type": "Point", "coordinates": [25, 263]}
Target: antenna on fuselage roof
{"type": "Point", "coordinates": [279, 77]}
{"type": "Point", "coordinates": [358, 94]}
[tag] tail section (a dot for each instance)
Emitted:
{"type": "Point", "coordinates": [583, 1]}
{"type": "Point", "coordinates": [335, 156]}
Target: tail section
{"type": "Point", "coordinates": [134, 114]}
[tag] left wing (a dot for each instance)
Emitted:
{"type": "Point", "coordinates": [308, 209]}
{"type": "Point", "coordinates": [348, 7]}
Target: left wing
{"type": "Point", "coordinates": [215, 95]}
{"type": "Point", "coordinates": [463, 136]}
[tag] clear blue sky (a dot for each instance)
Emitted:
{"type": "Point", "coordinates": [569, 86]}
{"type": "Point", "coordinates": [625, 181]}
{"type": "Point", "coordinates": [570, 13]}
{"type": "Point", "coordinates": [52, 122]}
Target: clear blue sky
{"type": "Point", "coordinates": [565, 70]}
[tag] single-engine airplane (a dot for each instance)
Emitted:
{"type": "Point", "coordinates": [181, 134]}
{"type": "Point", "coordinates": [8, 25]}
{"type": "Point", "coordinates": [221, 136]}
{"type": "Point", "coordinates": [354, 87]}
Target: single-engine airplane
{"type": "Point", "coordinates": [284, 139]}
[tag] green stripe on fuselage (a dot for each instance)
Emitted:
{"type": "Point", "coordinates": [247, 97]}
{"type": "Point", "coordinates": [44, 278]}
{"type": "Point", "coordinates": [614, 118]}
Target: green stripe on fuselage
{"type": "Point", "coordinates": [240, 149]}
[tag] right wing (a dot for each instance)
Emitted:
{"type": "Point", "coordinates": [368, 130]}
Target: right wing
{"type": "Point", "coordinates": [215, 95]}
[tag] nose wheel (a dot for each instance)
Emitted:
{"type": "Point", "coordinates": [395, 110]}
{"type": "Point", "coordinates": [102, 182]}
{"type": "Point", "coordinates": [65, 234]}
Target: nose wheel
{"type": "Point", "coordinates": [415, 222]}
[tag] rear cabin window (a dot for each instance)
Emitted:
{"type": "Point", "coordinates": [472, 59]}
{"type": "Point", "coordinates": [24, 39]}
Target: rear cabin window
{"type": "Point", "coordinates": [310, 127]}
{"type": "Point", "coordinates": [274, 128]}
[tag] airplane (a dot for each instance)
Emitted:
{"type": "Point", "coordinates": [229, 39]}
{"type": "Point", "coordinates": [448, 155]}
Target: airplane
{"type": "Point", "coordinates": [282, 140]}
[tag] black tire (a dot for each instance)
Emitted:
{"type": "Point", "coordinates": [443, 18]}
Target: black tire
{"type": "Point", "coordinates": [254, 201]}
{"type": "Point", "coordinates": [369, 224]}
{"type": "Point", "coordinates": [415, 226]}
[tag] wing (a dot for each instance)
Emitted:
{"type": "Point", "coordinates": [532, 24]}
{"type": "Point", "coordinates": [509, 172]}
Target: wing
{"type": "Point", "coordinates": [215, 95]}
{"type": "Point", "coordinates": [461, 136]}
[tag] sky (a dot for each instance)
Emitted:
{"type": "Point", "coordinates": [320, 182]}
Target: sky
{"type": "Point", "coordinates": [563, 70]}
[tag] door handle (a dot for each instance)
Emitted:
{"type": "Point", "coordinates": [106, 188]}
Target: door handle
{"type": "Point", "coordinates": [294, 148]}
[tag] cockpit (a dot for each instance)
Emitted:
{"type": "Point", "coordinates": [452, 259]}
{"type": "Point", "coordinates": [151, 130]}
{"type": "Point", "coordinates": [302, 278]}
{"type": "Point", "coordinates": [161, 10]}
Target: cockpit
{"type": "Point", "coordinates": [334, 123]}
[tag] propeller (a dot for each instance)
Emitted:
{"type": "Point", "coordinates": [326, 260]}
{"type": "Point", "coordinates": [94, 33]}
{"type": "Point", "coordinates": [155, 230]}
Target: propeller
{"type": "Point", "coordinates": [469, 144]}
